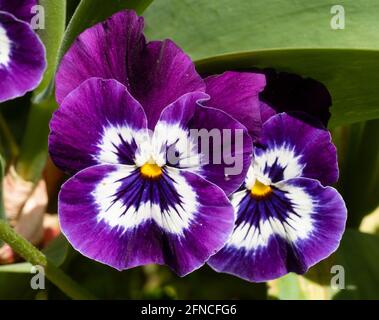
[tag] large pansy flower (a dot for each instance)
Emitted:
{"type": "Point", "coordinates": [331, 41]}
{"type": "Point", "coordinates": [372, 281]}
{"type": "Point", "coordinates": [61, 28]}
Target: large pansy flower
{"type": "Point", "coordinates": [129, 204]}
{"type": "Point", "coordinates": [288, 219]}
{"type": "Point", "coordinates": [22, 55]}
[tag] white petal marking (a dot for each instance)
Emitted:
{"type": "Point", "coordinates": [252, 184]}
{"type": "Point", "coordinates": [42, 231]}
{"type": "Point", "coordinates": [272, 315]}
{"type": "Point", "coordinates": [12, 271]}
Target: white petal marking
{"type": "Point", "coordinates": [112, 136]}
{"type": "Point", "coordinates": [285, 157]}
{"type": "Point", "coordinates": [296, 226]}
{"type": "Point", "coordinates": [174, 135]}
{"type": "Point", "coordinates": [174, 220]}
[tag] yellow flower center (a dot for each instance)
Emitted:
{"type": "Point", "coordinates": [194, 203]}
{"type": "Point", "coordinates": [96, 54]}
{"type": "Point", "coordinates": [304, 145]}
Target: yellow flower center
{"type": "Point", "coordinates": [260, 190]}
{"type": "Point", "coordinates": [151, 170]}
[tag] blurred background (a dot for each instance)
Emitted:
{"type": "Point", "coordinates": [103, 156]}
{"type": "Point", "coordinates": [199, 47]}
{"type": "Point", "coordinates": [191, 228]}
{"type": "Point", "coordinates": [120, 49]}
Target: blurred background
{"type": "Point", "coordinates": [338, 47]}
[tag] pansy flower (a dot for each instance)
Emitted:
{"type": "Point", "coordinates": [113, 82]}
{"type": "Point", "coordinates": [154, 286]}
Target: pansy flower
{"type": "Point", "coordinates": [22, 54]}
{"type": "Point", "coordinates": [288, 218]}
{"type": "Point", "coordinates": [126, 107]}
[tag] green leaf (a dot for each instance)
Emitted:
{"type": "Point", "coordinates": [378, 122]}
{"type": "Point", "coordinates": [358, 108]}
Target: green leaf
{"type": "Point", "coordinates": [206, 28]}
{"type": "Point", "coordinates": [51, 36]}
{"type": "Point", "coordinates": [34, 143]}
{"type": "Point", "coordinates": [338, 69]}
{"type": "Point", "coordinates": [358, 255]}
{"type": "Point", "coordinates": [294, 36]}
{"type": "Point", "coordinates": [358, 153]}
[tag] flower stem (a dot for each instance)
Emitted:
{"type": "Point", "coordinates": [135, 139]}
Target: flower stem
{"type": "Point", "coordinates": [32, 255]}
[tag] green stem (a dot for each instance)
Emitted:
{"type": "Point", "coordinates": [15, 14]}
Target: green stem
{"type": "Point", "coordinates": [23, 247]}
{"type": "Point", "coordinates": [32, 255]}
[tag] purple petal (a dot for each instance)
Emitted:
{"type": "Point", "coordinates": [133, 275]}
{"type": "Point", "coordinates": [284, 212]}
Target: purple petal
{"type": "Point", "coordinates": [236, 93]}
{"type": "Point", "coordinates": [111, 214]}
{"type": "Point", "coordinates": [163, 74]}
{"type": "Point", "coordinates": [22, 58]}
{"type": "Point", "coordinates": [297, 149]}
{"type": "Point", "coordinates": [156, 74]}
{"type": "Point", "coordinates": [21, 9]}
{"type": "Point", "coordinates": [99, 122]}
{"type": "Point", "coordinates": [106, 50]}
{"type": "Point", "coordinates": [290, 92]}
{"type": "Point", "coordinates": [205, 140]}
{"type": "Point", "coordinates": [282, 233]}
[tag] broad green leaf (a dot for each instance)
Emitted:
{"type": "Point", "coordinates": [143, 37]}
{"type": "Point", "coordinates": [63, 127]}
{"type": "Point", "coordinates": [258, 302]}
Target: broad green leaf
{"type": "Point", "coordinates": [357, 256]}
{"type": "Point", "coordinates": [51, 36]}
{"type": "Point", "coordinates": [294, 36]}
{"type": "Point", "coordinates": [206, 28]}
{"type": "Point", "coordinates": [338, 69]}
{"type": "Point", "coordinates": [358, 153]}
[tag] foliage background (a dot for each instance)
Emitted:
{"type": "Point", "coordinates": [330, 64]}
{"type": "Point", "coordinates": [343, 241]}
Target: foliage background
{"type": "Point", "coordinates": [289, 35]}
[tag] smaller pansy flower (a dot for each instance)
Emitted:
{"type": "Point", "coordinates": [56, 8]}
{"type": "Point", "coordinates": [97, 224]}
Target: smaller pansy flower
{"type": "Point", "coordinates": [128, 204]}
{"type": "Point", "coordinates": [22, 54]}
{"type": "Point", "coordinates": [287, 220]}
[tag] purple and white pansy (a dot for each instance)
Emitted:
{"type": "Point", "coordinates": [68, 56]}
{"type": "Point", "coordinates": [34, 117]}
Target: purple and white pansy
{"type": "Point", "coordinates": [287, 218]}
{"type": "Point", "coordinates": [132, 204]}
{"type": "Point", "coordinates": [141, 191]}
{"type": "Point", "coordinates": [22, 54]}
